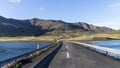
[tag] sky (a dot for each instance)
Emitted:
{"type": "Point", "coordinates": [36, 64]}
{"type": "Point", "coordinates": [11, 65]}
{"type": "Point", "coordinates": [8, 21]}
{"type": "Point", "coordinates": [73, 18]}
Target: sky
{"type": "Point", "coordinates": [96, 12]}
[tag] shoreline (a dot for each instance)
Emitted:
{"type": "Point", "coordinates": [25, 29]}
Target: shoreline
{"type": "Point", "coordinates": [49, 40]}
{"type": "Point", "coordinates": [24, 39]}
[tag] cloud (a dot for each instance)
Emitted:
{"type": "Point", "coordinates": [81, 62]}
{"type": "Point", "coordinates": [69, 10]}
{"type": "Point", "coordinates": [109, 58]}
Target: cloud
{"type": "Point", "coordinates": [115, 5]}
{"type": "Point", "coordinates": [41, 9]}
{"type": "Point", "coordinates": [15, 1]}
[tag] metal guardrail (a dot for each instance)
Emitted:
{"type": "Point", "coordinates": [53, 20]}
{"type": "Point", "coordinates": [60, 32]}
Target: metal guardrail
{"type": "Point", "coordinates": [107, 51]}
{"type": "Point", "coordinates": [2, 63]}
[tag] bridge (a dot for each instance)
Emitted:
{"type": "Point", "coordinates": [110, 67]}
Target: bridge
{"type": "Point", "coordinates": [71, 54]}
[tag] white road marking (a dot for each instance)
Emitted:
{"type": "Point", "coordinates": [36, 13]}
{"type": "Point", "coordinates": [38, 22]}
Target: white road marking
{"type": "Point", "coordinates": [67, 47]}
{"type": "Point", "coordinates": [67, 55]}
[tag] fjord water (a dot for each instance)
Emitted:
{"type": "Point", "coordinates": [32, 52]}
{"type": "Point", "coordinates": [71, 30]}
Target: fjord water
{"type": "Point", "coordinates": [12, 49]}
{"type": "Point", "coordinates": [115, 44]}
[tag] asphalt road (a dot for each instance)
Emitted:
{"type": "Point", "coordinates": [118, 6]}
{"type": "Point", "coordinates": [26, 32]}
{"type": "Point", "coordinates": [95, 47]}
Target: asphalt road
{"type": "Point", "coordinates": [44, 59]}
{"type": "Point", "coordinates": [76, 56]}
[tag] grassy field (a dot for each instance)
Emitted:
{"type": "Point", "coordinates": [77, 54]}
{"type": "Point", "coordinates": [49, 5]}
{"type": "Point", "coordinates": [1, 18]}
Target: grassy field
{"type": "Point", "coordinates": [42, 38]}
{"type": "Point", "coordinates": [91, 37]}
{"type": "Point", "coordinates": [68, 36]}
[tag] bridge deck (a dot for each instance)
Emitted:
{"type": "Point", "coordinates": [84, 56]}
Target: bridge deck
{"type": "Point", "coordinates": [74, 56]}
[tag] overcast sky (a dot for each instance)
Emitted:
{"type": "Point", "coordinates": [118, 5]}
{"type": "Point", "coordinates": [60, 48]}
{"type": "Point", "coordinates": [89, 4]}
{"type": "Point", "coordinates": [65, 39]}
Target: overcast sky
{"type": "Point", "coordinates": [97, 12]}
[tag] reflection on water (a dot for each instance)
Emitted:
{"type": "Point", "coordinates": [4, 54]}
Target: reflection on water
{"type": "Point", "coordinates": [12, 49]}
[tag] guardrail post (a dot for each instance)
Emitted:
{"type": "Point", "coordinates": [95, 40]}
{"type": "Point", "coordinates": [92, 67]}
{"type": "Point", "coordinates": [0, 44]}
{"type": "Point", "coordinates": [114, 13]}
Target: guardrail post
{"type": "Point", "coordinates": [94, 49]}
{"type": "Point", "coordinates": [106, 52]}
{"type": "Point", "coordinates": [20, 57]}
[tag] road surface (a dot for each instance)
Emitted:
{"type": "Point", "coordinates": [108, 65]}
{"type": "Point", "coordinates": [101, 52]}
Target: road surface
{"type": "Point", "coordinates": [76, 56]}
{"type": "Point", "coordinates": [44, 59]}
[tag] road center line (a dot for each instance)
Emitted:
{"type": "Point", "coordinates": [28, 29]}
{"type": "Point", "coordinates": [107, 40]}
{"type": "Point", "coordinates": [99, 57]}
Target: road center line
{"type": "Point", "coordinates": [67, 54]}
{"type": "Point", "coordinates": [66, 46]}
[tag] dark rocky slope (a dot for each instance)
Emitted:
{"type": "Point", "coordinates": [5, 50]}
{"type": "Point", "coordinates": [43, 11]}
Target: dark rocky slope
{"type": "Point", "coordinates": [36, 27]}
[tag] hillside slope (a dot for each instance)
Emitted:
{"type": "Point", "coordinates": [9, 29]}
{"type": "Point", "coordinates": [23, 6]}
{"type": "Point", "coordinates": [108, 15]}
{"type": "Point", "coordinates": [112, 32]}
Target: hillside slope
{"type": "Point", "coordinates": [37, 27]}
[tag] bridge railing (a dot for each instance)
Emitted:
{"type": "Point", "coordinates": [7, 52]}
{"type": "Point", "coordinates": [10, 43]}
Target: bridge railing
{"type": "Point", "coordinates": [14, 59]}
{"type": "Point", "coordinates": [108, 51]}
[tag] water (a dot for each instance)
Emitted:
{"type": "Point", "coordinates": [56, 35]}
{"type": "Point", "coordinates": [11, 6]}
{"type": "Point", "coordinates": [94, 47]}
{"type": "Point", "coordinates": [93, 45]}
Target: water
{"type": "Point", "coordinates": [12, 49]}
{"type": "Point", "coordinates": [115, 44]}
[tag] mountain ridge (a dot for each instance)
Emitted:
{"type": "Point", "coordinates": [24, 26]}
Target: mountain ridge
{"type": "Point", "coordinates": [37, 27]}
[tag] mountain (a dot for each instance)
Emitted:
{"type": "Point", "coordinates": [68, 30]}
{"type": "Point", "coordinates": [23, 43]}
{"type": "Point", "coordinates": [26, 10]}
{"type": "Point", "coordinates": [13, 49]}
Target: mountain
{"type": "Point", "coordinates": [37, 27]}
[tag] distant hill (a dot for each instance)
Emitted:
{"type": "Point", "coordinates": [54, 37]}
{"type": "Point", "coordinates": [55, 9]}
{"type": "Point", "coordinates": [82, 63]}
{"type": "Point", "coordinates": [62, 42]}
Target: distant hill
{"type": "Point", "coordinates": [37, 27]}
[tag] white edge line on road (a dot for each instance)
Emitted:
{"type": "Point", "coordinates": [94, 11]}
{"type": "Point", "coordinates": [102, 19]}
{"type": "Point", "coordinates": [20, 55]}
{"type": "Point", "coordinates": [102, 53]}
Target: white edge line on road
{"type": "Point", "coordinates": [67, 54]}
